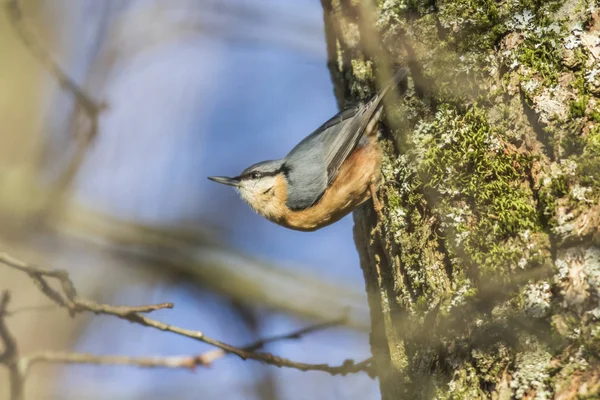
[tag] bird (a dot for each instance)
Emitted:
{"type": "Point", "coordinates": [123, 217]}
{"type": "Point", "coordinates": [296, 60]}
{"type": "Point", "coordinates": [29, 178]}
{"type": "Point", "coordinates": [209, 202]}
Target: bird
{"type": "Point", "coordinates": [325, 176]}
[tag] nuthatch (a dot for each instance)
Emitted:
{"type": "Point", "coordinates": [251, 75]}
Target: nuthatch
{"type": "Point", "coordinates": [327, 174]}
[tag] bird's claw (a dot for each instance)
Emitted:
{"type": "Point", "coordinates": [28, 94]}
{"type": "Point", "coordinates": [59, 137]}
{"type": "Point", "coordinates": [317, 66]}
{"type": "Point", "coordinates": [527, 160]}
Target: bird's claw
{"type": "Point", "coordinates": [378, 209]}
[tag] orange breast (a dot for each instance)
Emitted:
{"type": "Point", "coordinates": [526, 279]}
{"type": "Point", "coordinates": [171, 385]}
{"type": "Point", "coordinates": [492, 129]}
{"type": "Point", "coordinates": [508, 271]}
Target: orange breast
{"type": "Point", "coordinates": [348, 190]}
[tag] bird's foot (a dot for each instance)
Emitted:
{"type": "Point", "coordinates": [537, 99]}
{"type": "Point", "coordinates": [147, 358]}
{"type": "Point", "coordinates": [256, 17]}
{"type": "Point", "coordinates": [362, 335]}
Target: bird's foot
{"type": "Point", "coordinates": [378, 209]}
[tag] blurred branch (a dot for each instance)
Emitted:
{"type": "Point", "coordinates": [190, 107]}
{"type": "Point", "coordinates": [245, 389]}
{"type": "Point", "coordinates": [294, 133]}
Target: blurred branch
{"type": "Point", "coordinates": [198, 256]}
{"type": "Point", "coordinates": [16, 18]}
{"type": "Point", "coordinates": [236, 23]}
{"type": "Point", "coordinates": [10, 356]}
{"type": "Point", "coordinates": [28, 309]}
{"type": "Point", "coordinates": [68, 298]}
{"type": "Point", "coordinates": [185, 362]}
{"type": "Point", "coordinates": [83, 100]}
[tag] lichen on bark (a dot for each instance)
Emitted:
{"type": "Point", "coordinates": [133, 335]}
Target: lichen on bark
{"type": "Point", "coordinates": [484, 277]}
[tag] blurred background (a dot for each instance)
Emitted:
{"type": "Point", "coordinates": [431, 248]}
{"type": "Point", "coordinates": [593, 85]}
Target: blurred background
{"type": "Point", "coordinates": [191, 88]}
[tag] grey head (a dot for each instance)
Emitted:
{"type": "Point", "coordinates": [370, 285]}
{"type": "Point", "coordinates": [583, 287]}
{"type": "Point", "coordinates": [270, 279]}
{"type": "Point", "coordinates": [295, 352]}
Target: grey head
{"type": "Point", "coordinates": [304, 176]}
{"type": "Point", "coordinates": [256, 181]}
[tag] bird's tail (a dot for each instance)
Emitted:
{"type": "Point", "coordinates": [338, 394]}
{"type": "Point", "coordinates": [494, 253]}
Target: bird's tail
{"type": "Point", "coordinates": [398, 77]}
{"type": "Point", "coordinates": [375, 104]}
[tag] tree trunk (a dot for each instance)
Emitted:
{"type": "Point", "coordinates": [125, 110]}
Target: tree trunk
{"type": "Point", "coordinates": [483, 278]}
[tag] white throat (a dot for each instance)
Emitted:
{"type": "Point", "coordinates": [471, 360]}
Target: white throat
{"type": "Point", "coordinates": [255, 192]}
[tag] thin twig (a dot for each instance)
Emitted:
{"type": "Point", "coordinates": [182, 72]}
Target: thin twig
{"type": "Point", "coordinates": [69, 297]}
{"type": "Point", "coordinates": [179, 362]}
{"type": "Point", "coordinates": [75, 305]}
{"type": "Point", "coordinates": [175, 362]}
{"type": "Point", "coordinates": [213, 355]}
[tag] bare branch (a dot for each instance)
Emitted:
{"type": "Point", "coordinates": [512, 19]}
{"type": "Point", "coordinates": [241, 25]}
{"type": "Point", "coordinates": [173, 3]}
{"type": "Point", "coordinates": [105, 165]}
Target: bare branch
{"type": "Point", "coordinates": [213, 355]}
{"type": "Point", "coordinates": [69, 298]}
{"type": "Point", "coordinates": [198, 256]}
{"type": "Point", "coordinates": [185, 362]}
{"type": "Point", "coordinates": [175, 362]}
{"type": "Point", "coordinates": [75, 304]}
{"type": "Point", "coordinates": [178, 362]}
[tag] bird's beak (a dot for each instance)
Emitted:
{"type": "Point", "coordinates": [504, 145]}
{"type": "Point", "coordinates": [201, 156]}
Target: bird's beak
{"type": "Point", "coordinates": [225, 180]}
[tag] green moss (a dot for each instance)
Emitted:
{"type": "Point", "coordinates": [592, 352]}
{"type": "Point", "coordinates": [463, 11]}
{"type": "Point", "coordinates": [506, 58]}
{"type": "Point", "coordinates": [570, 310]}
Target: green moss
{"type": "Point", "coordinates": [589, 170]}
{"type": "Point", "coordinates": [410, 235]}
{"type": "Point", "coordinates": [593, 142]}
{"type": "Point", "coordinates": [573, 145]}
{"type": "Point", "coordinates": [465, 384]}
{"type": "Point", "coordinates": [491, 362]}
{"type": "Point", "coordinates": [557, 188]}
{"type": "Point", "coordinates": [579, 82]}
{"type": "Point", "coordinates": [362, 72]}
{"type": "Point", "coordinates": [543, 55]}
{"type": "Point", "coordinates": [484, 22]}
{"type": "Point", "coordinates": [480, 21]}
{"type": "Point", "coordinates": [422, 304]}
{"type": "Point", "coordinates": [466, 163]}
{"type": "Point", "coordinates": [560, 186]}
{"type": "Point", "coordinates": [577, 107]}
{"type": "Point", "coordinates": [588, 163]}
{"type": "Point", "coordinates": [417, 7]}
{"type": "Point", "coordinates": [584, 152]}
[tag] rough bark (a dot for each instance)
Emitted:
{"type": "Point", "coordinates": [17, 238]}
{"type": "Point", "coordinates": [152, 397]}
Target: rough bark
{"type": "Point", "coordinates": [484, 280]}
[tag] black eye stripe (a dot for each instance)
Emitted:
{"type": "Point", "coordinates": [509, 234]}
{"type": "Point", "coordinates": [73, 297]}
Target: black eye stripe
{"type": "Point", "coordinates": [261, 174]}
{"type": "Point", "coordinates": [252, 175]}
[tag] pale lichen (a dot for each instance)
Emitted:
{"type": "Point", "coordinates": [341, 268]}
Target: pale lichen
{"type": "Point", "coordinates": [579, 277]}
{"type": "Point", "coordinates": [531, 377]}
{"type": "Point", "coordinates": [389, 11]}
{"type": "Point", "coordinates": [537, 299]}
{"type": "Point", "coordinates": [461, 292]}
{"type": "Point", "coordinates": [551, 103]}
{"type": "Point", "coordinates": [579, 193]}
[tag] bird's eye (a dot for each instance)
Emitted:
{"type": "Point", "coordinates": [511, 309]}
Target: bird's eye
{"type": "Point", "coordinates": [254, 175]}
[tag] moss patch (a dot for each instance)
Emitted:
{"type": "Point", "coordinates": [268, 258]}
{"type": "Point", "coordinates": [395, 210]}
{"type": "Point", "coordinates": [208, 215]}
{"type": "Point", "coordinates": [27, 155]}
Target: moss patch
{"type": "Point", "coordinates": [477, 181]}
{"type": "Point", "coordinates": [588, 164]}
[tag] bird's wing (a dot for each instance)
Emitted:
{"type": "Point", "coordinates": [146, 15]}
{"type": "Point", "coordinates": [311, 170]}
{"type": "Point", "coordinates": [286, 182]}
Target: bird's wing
{"type": "Point", "coordinates": [350, 133]}
{"type": "Point", "coordinates": [346, 139]}
{"type": "Point", "coordinates": [308, 174]}
{"type": "Point", "coordinates": [322, 153]}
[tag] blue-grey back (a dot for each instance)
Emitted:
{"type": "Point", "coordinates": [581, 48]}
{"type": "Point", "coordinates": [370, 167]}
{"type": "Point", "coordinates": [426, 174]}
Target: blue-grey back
{"type": "Point", "coordinates": [308, 175]}
{"type": "Point", "coordinates": [314, 163]}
